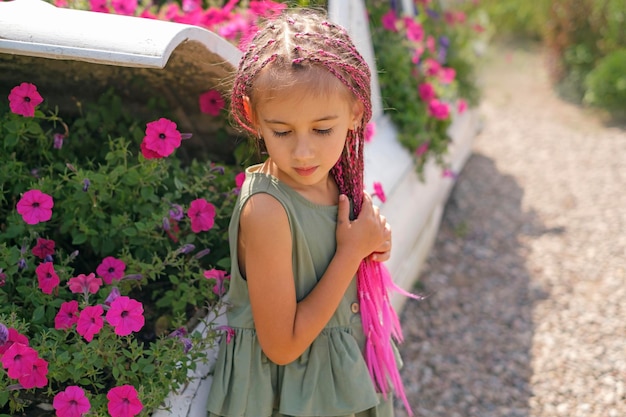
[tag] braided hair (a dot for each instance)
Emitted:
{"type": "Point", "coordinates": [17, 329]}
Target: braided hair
{"type": "Point", "coordinates": [296, 43]}
{"type": "Point", "coordinates": [305, 48]}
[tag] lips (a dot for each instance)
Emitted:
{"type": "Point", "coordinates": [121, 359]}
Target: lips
{"type": "Point", "coordinates": [305, 172]}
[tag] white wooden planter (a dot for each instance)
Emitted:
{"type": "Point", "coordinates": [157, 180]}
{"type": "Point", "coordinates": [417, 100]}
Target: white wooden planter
{"type": "Point", "coordinates": [414, 208]}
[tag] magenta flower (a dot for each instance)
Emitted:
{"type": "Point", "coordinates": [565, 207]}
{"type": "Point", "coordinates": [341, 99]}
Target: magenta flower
{"type": "Point", "coordinates": [447, 75]}
{"type": "Point", "coordinates": [230, 332]}
{"type": "Point", "coordinates": [379, 191]}
{"type": "Point", "coordinates": [431, 66]}
{"type": "Point", "coordinates": [370, 131]}
{"type": "Point", "coordinates": [14, 337]}
{"type": "Point", "coordinates": [389, 20]}
{"type": "Point", "coordinates": [125, 315]}
{"type": "Point", "coordinates": [202, 215]}
{"type": "Point", "coordinates": [90, 322]}
{"type": "Point", "coordinates": [162, 137]}
{"type": "Point", "coordinates": [266, 8]}
{"type": "Point", "coordinates": [147, 153]}
{"type": "Point", "coordinates": [438, 109]}
{"type": "Point", "coordinates": [422, 148]}
{"type": "Point", "coordinates": [86, 284]}
{"type": "Point", "coordinates": [461, 106]}
{"type": "Point", "coordinates": [219, 276]}
{"type": "Point", "coordinates": [36, 376]}
{"type": "Point", "coordinates": [414, 30]}
{"type": "Point", "coordinates": [124, 401]}
{"type": "Point", "coordinates": [71, 403]}
{"type": "Point", "coordinates": [4, 334]}
{"type": "Point", "coordinates": [111, 269]}
{"type": "Point", "coordinates": [57, 140]}
{"type": "Point", "coordinates": [426, 92]}
{"type": "Point", "coordinates": [211, 102]}
{"type": "Point", "coordinates": [67, 315]}
{"type": "Point", "coordinates": [99, 6]}
{"type": "Point", "coordinates": [239, 179]}
{"type": "Point", "coordinates": [124, 7]}
{"type": "Point", "coordinates": [47, 277]}
{"type": "Point", "coordinates": [113, 295]}
{"type": "Point", "coordinates": [35, 207]}
{"type": "Point", "coordinates": [23, 99]}
{"type": "Point", "coordinates": [43, 248]}
{"type": "Point", "coordinates": [18, 360]}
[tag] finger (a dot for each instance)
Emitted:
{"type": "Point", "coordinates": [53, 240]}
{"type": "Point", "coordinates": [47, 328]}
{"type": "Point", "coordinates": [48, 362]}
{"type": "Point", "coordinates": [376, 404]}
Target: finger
{"type": "Point", "coordinates": [343, 210]}
{"type": "Point", "coordinates": [381, 256]}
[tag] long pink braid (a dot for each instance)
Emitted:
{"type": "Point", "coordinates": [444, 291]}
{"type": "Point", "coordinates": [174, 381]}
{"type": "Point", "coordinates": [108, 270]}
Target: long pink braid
{"type": "Point", "coordinates": [289, 42]}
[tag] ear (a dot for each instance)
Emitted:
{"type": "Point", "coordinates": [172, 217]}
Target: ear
{"type": "Point", "coordinates": [357, 113]}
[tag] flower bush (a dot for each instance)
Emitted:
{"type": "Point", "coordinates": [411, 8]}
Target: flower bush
{"type": "Point", "coordinates": [427, 64]}
{"type": "Point", "coordinates": [107, 258]}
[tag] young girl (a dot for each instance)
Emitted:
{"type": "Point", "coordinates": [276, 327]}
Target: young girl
{"type": "Point", "coordinates": [302, 230]}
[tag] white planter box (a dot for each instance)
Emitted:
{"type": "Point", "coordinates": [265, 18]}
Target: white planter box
{"type": "Point", "coordinates": [414, 208]}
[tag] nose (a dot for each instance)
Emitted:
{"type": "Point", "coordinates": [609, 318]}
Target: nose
{"type": "Point", "coordinates": [303, 148]}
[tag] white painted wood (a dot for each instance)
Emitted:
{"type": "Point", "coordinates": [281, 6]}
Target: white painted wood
{"type": "Point", "coordinates": [36, 28]}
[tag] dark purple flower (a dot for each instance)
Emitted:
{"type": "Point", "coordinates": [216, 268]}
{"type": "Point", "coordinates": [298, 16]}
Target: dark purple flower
{"type": "Point", "coordinates": [86, 184]}
{"type": "Point", "coordinates": [4, 334]}
{"type": "Point", "coordinates": [58, 140]}
{"type": "Point", "coordinates": [202, 253]}
{"type": "Point", "coordinates": [177, 212]}
{"type": "Point", "coordinates": [21, 264]}
{"type": "Point", "coordinates": [186, 248]}
{"type": "Point", "coordinates": [115, 292]}
{"type": "Point", "coordinates": [166, 224]}
{"type": "Point", "coordinates": [3, 278]}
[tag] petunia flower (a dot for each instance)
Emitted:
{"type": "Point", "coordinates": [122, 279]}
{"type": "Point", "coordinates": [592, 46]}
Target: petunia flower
{"type": "Point", "coordinates": [447, 75]}
{"type": "Point", "coordinates": [379, 191]}
{"type": "Point", "coordinates": [219, 276]}
{"type": "Point", "coordinates": [266, 8]}
{"type": "Point", "coordinates": [230, 332]}
{"type": "Point", "coordinates": [414, 30]}
{"type": "Point", "coordinates": [43, 248]}
{"type": "Point", "coordinates": [370, 131]}
{"type": "Point", "coordinates": [461, 106]}
{"type": "Point", "coordinates": [57, 140]}
{"type": "Point", "coordinates": [124, 7]}
{"type": "Point", "coordinates": [85, 284]}
{"type": "Point", "coordinates": [71, 403]}
{"type": "Point", "coordinates": [47, 277]}
{"type": "Point", "coordinates": [211, 102]}
{"type": "Point", "coordinates": [202, 215]}
{"type": "Point", "coordinates": [90, 322]}
{"type": "Point", "coordinates": [35, 207]}
{"type": "Point", "coordinates": [438, 109]}
{"type": "Point", "coordinates": [18, 360]}
{"type": "Point", "coordinates": [124, 401]}
{"type": "Point", "coordinates": [422, 149]}
{"type": "Point", "coordinates": [389, 20]}
{"type": "Point", "coordinates": [67, 315]}
{"type": "Point", "coordinates": [162, 137]}
{"type": "Point", "coordinates": [36, 375]}
{"type": "Point", "coordinates": [99, 6]}
{"type": "Point", "coordinates": [23, 99]}
{"type": "Point", "coordinates": [14, 337]}
{"type": "Point", "coordinates": [177, 213]}
{"type": "Point", "coordinates": [113, 295]}
{"type": "Point", "coordinates": [426, 92]}
{"type": "Point", "coordinates": [239, 179]}
{"type": "Point", "coordinates": [111, 269]}
{"type": "Point", "coordinates": [4, 334]}
{"type": "Point", "coordinates": [148, 153]}
{"type": "Point", "coordinates": [125, 315]}
{"type": "Point", "coordinates": [431, 67]}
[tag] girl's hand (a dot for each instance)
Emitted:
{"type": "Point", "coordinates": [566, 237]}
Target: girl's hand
{"type": "Point", "coordinates": [365, 235]}
{"type": "Point", "coordinates": [383, 253]}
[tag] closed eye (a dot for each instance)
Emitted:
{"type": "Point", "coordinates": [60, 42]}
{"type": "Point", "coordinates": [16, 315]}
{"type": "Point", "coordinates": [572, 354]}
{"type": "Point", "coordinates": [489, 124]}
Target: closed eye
{"type": "Point", "coordinates": [324, 131]}
{"type": "Point", "coordinates": [280, 134]}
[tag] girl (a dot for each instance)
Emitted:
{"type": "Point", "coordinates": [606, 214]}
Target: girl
{"type": "Point", "coordinates": [301, 230]}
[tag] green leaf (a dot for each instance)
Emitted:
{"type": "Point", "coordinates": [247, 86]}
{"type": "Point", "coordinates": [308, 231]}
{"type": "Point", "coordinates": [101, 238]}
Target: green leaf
{"type": "Point", "coordinates": [10, 140]}
{"type": "Point", "coordinates": [147, 192]}
{"type": "Point", "coordinates": [4, 399]}
{"type": "Point", "coordinates": [130, 231]}
{"type": "Point", "coordinates": [79, 238]}
{"type": "Point", "coordinates": [38, 314]}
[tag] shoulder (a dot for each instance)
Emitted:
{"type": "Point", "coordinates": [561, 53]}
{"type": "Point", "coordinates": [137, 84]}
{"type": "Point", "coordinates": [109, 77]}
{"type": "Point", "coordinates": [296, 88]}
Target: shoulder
{"type": "Point", "coordinates": [263, 212]}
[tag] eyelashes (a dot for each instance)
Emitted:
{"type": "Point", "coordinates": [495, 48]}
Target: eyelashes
{"type": "Point", "coordinates": [322, 132]}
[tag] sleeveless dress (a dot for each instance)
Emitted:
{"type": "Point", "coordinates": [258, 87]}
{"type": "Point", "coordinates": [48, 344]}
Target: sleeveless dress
{"type": "Point", "coordinates": [330, 378]}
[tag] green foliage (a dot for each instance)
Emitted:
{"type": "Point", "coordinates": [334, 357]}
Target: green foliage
{"type": "Point", "coordinates": [606, 83]}
{"type": "Point", "coordinates": [518, 18]}
{"type": "Point", "coordinates": [108, 201]}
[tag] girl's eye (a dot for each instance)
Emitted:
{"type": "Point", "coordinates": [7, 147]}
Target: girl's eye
{"type": "Point", "coordinates": [280, 134]}
{"type": "Point", "coordinates": [324, 131]}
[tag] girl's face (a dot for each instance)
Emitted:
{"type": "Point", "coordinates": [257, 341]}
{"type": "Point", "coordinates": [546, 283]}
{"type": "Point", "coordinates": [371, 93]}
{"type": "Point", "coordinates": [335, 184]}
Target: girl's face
{"type": "Point", "coordinates": [305, 134]}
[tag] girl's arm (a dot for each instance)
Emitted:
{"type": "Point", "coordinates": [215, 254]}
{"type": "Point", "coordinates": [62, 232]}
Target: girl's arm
{"type": "Point", "coordinates": [285, 327]}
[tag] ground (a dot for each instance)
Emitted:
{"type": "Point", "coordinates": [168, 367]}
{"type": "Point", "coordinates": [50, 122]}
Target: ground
{"type": "Point", "coordinates": [527, 312]}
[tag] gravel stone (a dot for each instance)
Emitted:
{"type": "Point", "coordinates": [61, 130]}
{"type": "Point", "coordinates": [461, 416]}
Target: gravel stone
{"type": "Point", "coordinates": [527, 277]}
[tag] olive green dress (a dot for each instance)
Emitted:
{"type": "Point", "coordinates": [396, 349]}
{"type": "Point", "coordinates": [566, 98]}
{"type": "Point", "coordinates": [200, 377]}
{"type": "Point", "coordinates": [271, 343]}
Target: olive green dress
{"type": "Point", "coordinates": [330, 378]}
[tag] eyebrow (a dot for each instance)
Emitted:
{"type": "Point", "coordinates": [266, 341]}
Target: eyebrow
{"type": "Point", "coordinates": [321, 119]}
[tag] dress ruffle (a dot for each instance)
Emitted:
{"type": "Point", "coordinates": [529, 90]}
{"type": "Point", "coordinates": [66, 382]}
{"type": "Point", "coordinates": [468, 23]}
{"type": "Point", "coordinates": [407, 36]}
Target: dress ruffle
{"type": "Point", "coordinates": [315, 384]}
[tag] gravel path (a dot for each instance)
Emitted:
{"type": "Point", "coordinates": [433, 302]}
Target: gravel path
{"type": "Point", "coordinates": [528, 272]}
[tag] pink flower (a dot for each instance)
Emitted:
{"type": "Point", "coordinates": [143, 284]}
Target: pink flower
{"type": "Point", "coordinates": [4, 334]}
{"type": "Point", "coordinates": [18, 360]}
{"type": "Point", "coordinates": [90, 322]}
{"type": "Point", "coordinates": [14, 337]}
{"type": "Point", "coordinates": [67, 315]}
{"type": "Point", "coordinates": [99, 6]}
{"type": "Point", "coordinates": [124, 401]}
{"type": "Point", "coordinates": [124, 7]}
{"type": "Point", "coordinates": [126, 315]}
{"type": "Point", "coordinates": [389, 20]}
{"type": "Point", "coordinates": [414, 30]}
{"type": "Point", "coordinates": [35, 207]}
{"type": "Point", "coordinates": [162, 137]}
{"type": "Point", "coordinates": [430, 44]}
{"type": "Point", "coordinates": [47, 277]}
{"type": "Point", "coordinates": [202, 215]}
{"type": "Point", "coordinates": [370, 131]}
{"type": "Point", "coordinates": [71, 403]}
{"type": "Point", "coordinates": [461, 106]}
{"type": "Point", "coordinates": [379, 192]}
{"type": "Point", "coordinates": [86, 284]}
{"type": "Point", "coordinates": [266, 8]}
{"type": "Point", "coordinates": [36, 376]}
{"type": "Point", "coordinates": [43, 248]}
{"type": "Point", "coordinates": [448, 173]}
{"type": "Point", "coordinates": [422, 148]}
{"type": "Point", "coordinates": [230, 332]}
{"type": "Point", "coordinates": [447, 75]}
{"type": "Point", "coordinates": [426, 92]}
{"type": "Point", "coordinates": [57, 140]}
{"type": "Point", "coordinates": [438, 110]}
{"type": "Point", "coordinates": [219, 276]}
{"type": "Point", "coordinates": [431, 66]}
{"type": "Point", "coordinates": [239, 179]}
{"type": "Point", "coordinates": [147, 153]}
{"type": "Point", "coordinates": [113, 295]}
{"type": "Point", "coordinates": [23, 99]}
{"type": "Point", "coordinates": [211, 102]}
{"type": "Point", "coordinates": [111, 269]}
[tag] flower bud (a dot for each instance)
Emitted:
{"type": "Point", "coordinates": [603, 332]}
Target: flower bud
{"type": "Point", "coordinates": [58, 140]}
{"type": "Point", "coordinates": [4, 334]}
{"type": "Point", "coordinates": [202, 253]}
{"type": "Point", "coordinates": [166, 224]}
{"type": "Point", "coordinates": [186, 248]}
